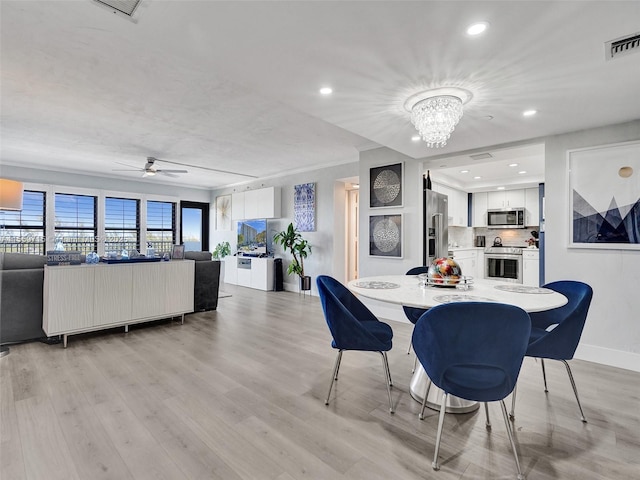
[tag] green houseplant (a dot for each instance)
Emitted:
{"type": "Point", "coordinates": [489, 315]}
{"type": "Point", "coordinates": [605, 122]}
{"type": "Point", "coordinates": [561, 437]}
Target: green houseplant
{"type": "Point", "coordinates": [222, 250]}
{"type": "Point", "coordinates": [292, 241]}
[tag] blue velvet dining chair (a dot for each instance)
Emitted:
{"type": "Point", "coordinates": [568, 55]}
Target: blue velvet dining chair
{"type": "Point", "coordinates": [473, 350]}
{"type": "Point", "coordinates": [353, 327]}
{"type": "Point", "coordinates": [555, 333]}
{"type": "Point", "coordinates": [413, 313]}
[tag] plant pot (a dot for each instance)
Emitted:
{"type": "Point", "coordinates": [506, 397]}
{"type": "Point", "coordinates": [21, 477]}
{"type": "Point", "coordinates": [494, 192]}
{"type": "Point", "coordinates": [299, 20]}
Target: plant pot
{"type": "Point", "coordinates": [305, 283]}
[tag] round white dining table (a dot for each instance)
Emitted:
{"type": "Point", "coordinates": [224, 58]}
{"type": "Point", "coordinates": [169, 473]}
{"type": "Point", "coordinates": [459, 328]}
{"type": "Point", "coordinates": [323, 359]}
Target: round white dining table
{"type": "Point", "coordinates": [407, 290]}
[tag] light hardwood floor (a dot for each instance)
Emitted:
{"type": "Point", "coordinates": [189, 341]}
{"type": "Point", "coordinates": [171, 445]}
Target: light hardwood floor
{"type": "Point", "coordinates": [238, 393]}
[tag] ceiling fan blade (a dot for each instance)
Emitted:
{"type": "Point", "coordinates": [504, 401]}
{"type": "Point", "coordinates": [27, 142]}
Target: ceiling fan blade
{"type": "Point", "coordinates": [164, 172]}
{"type": "Point", "coordinates": [172, 171]}
{"type": "Point", "coordinates": [127, 165]}
{"type": "Point", "coordinates": [208, 168]}
{"type": "Point", "coordinates": [128, 170]}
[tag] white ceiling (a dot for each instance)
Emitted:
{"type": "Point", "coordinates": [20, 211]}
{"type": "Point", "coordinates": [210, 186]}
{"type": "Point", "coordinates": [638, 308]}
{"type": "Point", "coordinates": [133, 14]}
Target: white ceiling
{"type": "Point", "coordinates": [234, 85]}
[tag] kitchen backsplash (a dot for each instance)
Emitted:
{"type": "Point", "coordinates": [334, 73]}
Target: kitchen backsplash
{"type": "Point", "coordinates": [512, 238]}
{"type": "Point", "coordinates": [464, 237]}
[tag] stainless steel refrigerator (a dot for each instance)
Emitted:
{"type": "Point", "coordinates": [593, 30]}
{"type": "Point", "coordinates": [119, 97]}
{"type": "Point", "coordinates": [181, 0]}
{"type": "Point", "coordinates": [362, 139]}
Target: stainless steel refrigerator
{"type": "Point", "coordinates": [435, 223]}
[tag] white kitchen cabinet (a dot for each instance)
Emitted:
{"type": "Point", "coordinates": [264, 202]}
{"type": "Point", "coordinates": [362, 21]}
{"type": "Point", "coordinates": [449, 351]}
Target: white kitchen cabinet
{"type": "Point", "coordinates": [467, 258]}
{"type": "Point", "coordinates": [505, 199]}
{"type": "Point", "coordinates": [531, 267]}
{"type": "Point", "coordinates": [532, 208]}
{"type": "Point", "coordinates": [259, 203]}
{"type": "Point", "coordinates": [457, 205]}
{"type": "Point", "coordinates": [479, 217]}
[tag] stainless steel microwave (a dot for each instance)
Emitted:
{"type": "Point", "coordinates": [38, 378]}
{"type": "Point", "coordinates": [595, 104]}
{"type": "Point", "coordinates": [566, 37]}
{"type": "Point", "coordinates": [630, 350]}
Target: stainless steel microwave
{"type": "Point", "coordinates": [506, 218]}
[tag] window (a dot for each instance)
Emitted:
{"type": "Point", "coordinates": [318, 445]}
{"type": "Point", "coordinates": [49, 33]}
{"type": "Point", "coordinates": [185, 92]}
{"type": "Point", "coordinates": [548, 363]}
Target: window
{"type": "Point", "coordinates": [24, 231]}
{"type": "Point", "coordinates": [161, 225]}
{"type": "Point", "coordinates": [194, 226]}
{"type": "Point", "coordinates": [75, 222]}
{"type": "Point", "coordinates": [121, 224]}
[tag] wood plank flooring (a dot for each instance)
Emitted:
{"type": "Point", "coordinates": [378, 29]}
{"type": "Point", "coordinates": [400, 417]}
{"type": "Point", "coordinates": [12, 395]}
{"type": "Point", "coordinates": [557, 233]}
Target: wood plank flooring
{"type": "Point", "coordinates": [238, 393]}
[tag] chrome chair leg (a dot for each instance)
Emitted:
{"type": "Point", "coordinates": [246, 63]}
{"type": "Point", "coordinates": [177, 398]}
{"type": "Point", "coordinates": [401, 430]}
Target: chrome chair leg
{"type": "Point", "coordinates": [334, 376]}
{"type": "Point", "coordinates": [424, 401]}
{"type": "Point", "coordinates": [409, 350]}
{"type": "Point", "coordinates": [385, 365]}
{"type": "Point", "coordinates": [544, 375]}
{"type": "Point", "coordinates": [512, 415]}
{"type": "Point", "coordinates": [415, 364]}
{"type": "Point", "coordinates": [486, 412]}
{"type": "Point", "coordinates": [510, 435]}
{"type": "Point", "coordinates": [434, 464]}
{"type": "Point", "coordinates": [575, 390]}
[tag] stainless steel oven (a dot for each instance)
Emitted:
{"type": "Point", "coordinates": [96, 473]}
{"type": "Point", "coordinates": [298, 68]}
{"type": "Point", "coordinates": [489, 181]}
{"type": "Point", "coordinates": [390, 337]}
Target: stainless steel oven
{"type": "Point", "coordinates": [503, 263]}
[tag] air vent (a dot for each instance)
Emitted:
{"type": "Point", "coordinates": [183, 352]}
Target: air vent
{"type": "Point", "coordinates": [481, 156]}
{"type": "Point", "coordinates": [622, 46]}
{"type": "Point", "coordinates": [126, 7]}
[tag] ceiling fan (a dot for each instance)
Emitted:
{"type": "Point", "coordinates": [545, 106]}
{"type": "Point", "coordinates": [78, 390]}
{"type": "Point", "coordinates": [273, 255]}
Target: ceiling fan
{"type": "Point", "coordinates": [149, 170]}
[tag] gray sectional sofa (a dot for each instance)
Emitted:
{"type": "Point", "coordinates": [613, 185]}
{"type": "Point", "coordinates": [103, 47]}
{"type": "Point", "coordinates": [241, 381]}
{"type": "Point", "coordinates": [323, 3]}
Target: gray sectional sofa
{"type": "Point", "coordinates": [207, 281]}
{"type": "Point", "coordinates": [21, 282]}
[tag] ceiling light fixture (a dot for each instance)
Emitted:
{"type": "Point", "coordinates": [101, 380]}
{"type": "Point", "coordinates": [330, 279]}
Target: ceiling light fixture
{"type": "Point", "coordinates": [522, 172]}
{"type": "Point", "coordinates": [513, 164]}
{"type": "Point", "coordinates": [464, 171]}
{"type": "Point", "coordinates": [435, 113]}
{"type": "Point", "coordinates": [500, 188]}
{"type": "Point", "coordinates": [477, 28]}
{"type": "Point", "coordinates": [326, 91]}
{"type": "Point", "coordinates": [529, 113]}
{"type": "Point", "coordinates": [415, 138]}
{"type": "Point", "coordinates": [477, 178]}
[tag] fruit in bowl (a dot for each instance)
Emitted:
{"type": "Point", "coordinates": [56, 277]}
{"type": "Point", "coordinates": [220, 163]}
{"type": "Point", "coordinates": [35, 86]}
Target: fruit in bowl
{"type": "Point", "coordinates": [444, 271]}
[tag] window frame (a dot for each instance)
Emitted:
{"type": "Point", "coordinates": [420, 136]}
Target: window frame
{"type": "Point", "coordinates": [19, 244]}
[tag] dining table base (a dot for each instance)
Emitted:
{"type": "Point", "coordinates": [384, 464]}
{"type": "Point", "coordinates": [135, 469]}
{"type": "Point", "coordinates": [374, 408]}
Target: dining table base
{"type": "Point", "coordinates": [421, 384]}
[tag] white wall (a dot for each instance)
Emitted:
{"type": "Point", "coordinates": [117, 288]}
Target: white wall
{"type": "Point", "coordinates": [327, 242]}
{"type": "Point", "coordinates": [612, 332]}
{"type": "Point", "coordinates": [411, 211]}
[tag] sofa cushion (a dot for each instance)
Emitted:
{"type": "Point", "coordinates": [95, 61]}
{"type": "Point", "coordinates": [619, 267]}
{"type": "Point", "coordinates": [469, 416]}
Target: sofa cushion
{"type": "Point", "coordinates": [21, 261]}
{"type": "Point", "coordinates": [197, 256]}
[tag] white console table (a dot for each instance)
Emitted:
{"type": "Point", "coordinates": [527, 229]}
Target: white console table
{"type": "Point", "coordinates": [252, 272]}
{"type": "Point", "coordinates": [84, 298]}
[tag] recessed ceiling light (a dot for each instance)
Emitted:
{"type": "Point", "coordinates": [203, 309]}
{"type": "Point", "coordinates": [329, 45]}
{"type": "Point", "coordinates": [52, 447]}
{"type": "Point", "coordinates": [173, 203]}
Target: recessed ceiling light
{"type": "Point", "coordinates": [477, 178]}
{"type": "Point", "coordinates": [477, 28]}
{"type": "Point", "coordinates": [415, 138]}
{"type": "Point", "coordinates": [513, 164]}
{"type": "Point", "coordinates": [326, 91]}
{"type": "Point", "coordinates": [529, 113]}
{"type": "Point", "coordinates": [500, 188]}
{"type": "Point", "coordinates": [522, 172]}
{"type": "Point", "coordinates": [464, 171]}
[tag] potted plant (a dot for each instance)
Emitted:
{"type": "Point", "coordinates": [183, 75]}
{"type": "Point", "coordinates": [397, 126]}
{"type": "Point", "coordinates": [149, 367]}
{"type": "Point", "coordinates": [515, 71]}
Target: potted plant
{"type": "Point", "coordinates": [292, 241]}
{"type": "Point", "coordinates": [222, 250]}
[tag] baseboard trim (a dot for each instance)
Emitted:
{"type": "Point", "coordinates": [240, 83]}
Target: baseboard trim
{"type": "Point", "coordinates": [609, 356]}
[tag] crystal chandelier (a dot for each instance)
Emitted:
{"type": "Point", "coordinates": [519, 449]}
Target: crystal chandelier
{"type": "Point", "coordinates": [435, 113]}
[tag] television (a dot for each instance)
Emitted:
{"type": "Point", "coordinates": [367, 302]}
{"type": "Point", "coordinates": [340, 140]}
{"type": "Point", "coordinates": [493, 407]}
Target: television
{"type": "Point", "coordinates": [252, 237]}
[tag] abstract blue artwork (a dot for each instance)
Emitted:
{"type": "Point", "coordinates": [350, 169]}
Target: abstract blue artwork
{"type": "Point", "coordinates": [304, 207]}
{"type": "Point", "coordinates": [605, 196]}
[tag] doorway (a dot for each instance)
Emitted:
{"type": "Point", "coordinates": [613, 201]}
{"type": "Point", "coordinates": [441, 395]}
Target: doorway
{"type": "Point", "coordinates": [194, 226]}
{"type": "Point", "coordinates": [353, 232]}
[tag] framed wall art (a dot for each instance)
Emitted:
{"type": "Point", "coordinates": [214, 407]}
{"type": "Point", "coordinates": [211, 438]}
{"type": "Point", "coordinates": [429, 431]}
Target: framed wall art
{"type": "Point", "coordinates": [177, 252]}
{"type": "Point", "coordinates": [385, 236]}
{"type": "Point", "coordinates": [223, 212]}
{"type": "Point", "coordinates": [604, 189]}
{"type": "Point", "coordinates": [385, 186]}
{"type": "Point", "coordinates": [304, 207]}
